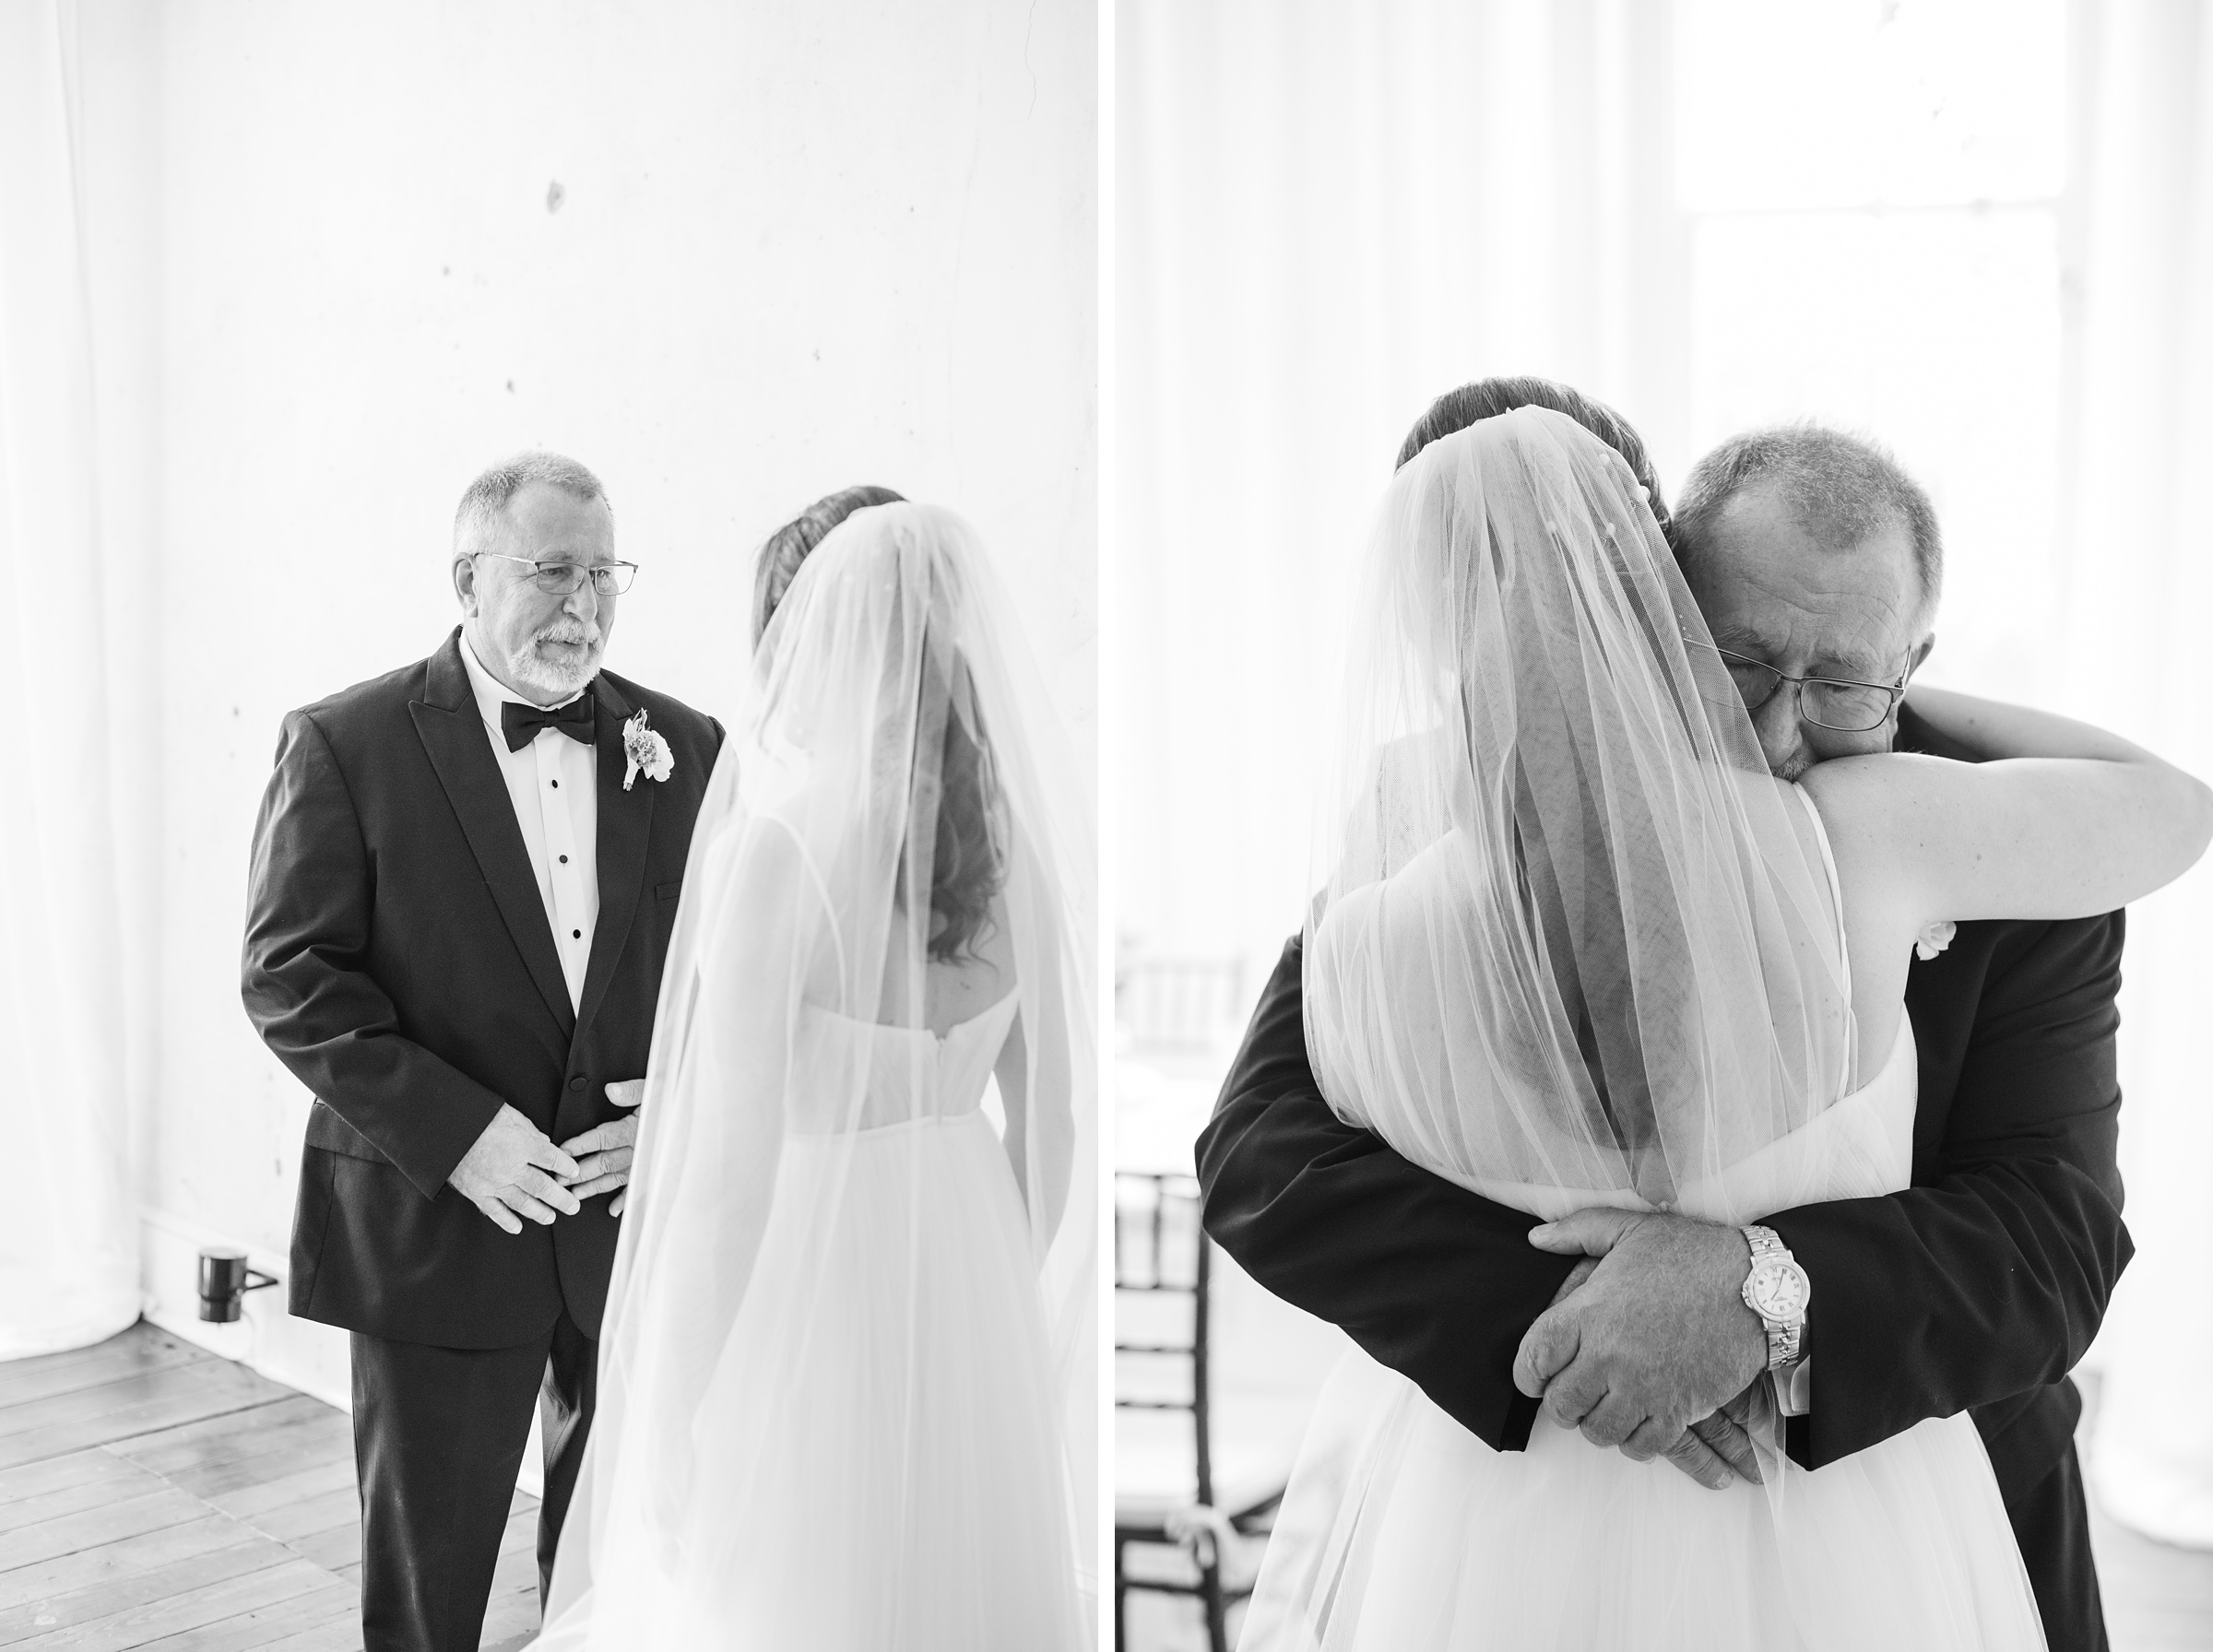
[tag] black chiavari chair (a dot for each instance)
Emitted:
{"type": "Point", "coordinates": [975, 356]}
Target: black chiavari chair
{"type": "Point", "coordinates": [1162, 1274]}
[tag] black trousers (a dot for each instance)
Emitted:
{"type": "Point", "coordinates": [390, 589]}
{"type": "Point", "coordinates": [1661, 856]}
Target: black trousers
{"type": "Point", "coordinates": [2052, 1522]}
{"type": "Point", "coordinates": [438, 1438]}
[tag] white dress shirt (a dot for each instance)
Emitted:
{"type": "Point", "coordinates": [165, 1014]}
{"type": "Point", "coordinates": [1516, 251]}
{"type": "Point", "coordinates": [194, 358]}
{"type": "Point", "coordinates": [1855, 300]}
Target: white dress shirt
{"type": "Point", "coordinates": [553, 783]}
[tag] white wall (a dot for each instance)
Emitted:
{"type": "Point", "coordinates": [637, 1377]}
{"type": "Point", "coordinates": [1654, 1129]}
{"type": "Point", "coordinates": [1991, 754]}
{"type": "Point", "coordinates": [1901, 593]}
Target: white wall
{"type": "Point", "coordinates": [795, 247]}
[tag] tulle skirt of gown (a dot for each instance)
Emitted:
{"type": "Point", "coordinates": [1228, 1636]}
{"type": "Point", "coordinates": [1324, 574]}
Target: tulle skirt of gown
{"type": "Point", "coordinates": [1564, 1545]}
{"type": "Point", "coordinates": [892, 1405]}
{"type": "Point", "coordinates": [1403, 1532]}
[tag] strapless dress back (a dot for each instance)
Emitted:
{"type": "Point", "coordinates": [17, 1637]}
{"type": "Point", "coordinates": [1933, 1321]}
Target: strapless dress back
{"type": "Point", "coordinates": [910, 1075]}
{"type": "Point", "coordinates": [889, 1388]}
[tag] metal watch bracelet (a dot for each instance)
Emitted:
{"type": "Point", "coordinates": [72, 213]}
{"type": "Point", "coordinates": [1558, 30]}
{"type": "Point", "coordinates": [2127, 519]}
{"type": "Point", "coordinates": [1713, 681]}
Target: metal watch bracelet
{"type": "Point", "coordinates": [1777, 1289]}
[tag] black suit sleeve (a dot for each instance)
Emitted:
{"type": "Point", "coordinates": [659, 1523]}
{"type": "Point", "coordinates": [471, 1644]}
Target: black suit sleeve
{"type": "Point", "coordinates": [1991, 1278]}
{"type": "Point", "coordinates": [1433, 1281]}
{"type": "Point", "coordinates": [307, 990]}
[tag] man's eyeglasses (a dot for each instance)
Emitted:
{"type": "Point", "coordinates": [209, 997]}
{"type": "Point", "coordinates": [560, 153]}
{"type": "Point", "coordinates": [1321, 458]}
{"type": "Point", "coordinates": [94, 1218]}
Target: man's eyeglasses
{"type": "Point", "coordinates": [1830, 703]}
{"type": "Point", "coordinates": [563, 579]}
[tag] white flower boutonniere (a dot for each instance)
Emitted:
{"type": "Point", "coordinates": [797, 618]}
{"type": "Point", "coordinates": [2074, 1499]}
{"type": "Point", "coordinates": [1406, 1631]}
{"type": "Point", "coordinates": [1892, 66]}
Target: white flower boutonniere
{"type": "Point", "coordinates": [1933, 939]}
{"type": "Point", "coordinates": [646, 750]}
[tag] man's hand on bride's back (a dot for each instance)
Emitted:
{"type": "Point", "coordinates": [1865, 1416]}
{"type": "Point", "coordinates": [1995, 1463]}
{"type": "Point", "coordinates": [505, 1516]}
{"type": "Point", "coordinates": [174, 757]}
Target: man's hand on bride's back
{"type": "Point", "coordinates": [510, 1171]}
{"type": "Point", "coordinates": [1716, 1449]}
{"type": "Point", "coordinates": [1655, 1339]}
{"type": "Point", "coordinates": [1583, 1271]}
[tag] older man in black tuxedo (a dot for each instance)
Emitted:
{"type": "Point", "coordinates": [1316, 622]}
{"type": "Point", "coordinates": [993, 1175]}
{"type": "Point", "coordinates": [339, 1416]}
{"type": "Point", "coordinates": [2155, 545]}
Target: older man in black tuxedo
{"type": "Point", "coordinates": [1976, 1289]}
{"type": "Point", "coordinates": [463, 878]}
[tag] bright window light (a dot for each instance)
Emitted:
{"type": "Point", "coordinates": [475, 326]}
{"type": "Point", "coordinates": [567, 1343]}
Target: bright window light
{"type": "Point", "coordinates": [1869, 102]}
{"type": "Point", "coordinates": [1875, 193]}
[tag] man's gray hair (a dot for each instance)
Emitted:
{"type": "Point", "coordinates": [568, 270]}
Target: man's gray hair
{"type": "Point", "coordinates": [480, 520]}
{"type": "Point", "coordinates": [1841, 489]}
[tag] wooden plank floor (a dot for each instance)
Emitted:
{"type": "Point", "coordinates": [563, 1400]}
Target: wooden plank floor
{"type": "Point", "coordinates": [153, 1494]}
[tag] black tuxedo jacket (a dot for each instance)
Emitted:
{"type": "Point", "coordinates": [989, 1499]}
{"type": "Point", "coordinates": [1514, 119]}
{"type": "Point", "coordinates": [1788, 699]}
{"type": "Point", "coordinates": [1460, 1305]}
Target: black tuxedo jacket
{"type": "Point", "coordinates": [398, 961]}
{"type": "Point", "coordinates": [1978, 1288]}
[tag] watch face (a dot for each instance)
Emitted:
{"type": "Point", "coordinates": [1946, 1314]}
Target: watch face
{"type": "Point", "coordinates": [1779, 1290]}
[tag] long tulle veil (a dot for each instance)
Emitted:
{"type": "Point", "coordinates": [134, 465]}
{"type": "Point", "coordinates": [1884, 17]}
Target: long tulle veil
{"type": "Point", "coordinates": [1572, 945]}
{"type": "Point", "coordinates": [891, 690]}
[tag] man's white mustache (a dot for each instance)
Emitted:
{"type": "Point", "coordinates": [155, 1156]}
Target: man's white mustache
{"type": "Point", "coordinates": [564, 634]}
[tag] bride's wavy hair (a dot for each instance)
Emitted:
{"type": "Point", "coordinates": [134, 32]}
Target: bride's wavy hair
{"type": "Point", "coordinates": [1486, 399]}
{"type": "Point", "coordinates": [969, 860]}
{"type": "Point", "coordinates": [968, 863]}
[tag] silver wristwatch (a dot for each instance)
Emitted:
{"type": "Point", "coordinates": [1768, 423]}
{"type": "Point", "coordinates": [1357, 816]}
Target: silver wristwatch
{"type": "Point", "coordinates": [1778, 1290]}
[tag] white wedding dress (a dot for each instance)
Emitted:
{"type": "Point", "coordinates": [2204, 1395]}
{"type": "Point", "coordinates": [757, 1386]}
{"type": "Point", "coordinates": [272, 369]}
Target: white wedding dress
{"type": "Point", "coordinates": [847, 1377]}
{"type": "Point", "coordinates": [925, 1302]}
{"type": "Point", "coordinates": [1575, 946]}
{"type": "Point", "coordinates": [929, 1302]}
{"type": "Point", "coordinates": [878, 1464]}
{"type": "Point", "coordinates": [1455, 1546]}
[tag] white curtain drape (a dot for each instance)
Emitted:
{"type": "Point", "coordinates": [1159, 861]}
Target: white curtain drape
{"type": "Point", "coordinates": [2140, 591]}
{"type": "Point", "coordinates": [1327, 214]}
{"type": "Point", "coordinates": [69, 1245]}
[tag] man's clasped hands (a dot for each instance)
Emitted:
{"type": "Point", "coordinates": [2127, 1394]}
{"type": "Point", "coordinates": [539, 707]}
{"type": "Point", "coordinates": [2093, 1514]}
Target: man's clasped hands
{"type": "Point", "coordinates": [1649, 1344]}
{"type": "Point", "coordinates": [514, 1172]}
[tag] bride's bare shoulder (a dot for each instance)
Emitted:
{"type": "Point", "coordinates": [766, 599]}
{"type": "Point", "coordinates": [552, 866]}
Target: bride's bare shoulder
{"type": "Point", "coordinates": [1865, 800]}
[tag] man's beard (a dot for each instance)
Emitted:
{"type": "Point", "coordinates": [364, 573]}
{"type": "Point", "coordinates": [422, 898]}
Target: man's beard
{"type": "Point", "coordinates": [535, 670]}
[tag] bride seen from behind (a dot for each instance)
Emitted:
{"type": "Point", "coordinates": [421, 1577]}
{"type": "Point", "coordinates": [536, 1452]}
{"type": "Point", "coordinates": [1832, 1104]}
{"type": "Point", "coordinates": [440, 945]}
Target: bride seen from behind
{"type": "Point", "coordinates": [847, 1371]}
{"type": "Point", "coordinates": [1578, 950]}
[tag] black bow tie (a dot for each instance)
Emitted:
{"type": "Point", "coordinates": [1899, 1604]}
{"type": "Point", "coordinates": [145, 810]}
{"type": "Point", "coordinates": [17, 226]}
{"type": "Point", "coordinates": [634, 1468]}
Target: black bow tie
{"type": "Point", "coordinates": [521, 723]}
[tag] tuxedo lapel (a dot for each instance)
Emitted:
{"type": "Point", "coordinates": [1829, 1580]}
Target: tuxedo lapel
{"type": "Point", "coordinates": [625, 822]}
{"type": "Point", "coordinates": [452, 731]}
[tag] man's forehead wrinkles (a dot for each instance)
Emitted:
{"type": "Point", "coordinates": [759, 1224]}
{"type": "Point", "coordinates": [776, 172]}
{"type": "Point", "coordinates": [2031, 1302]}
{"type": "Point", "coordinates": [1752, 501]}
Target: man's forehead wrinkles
{"type": "Point", "coordinates": [1833, 614]}
{"type": "Point", "coordinates": [1845, 643]}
